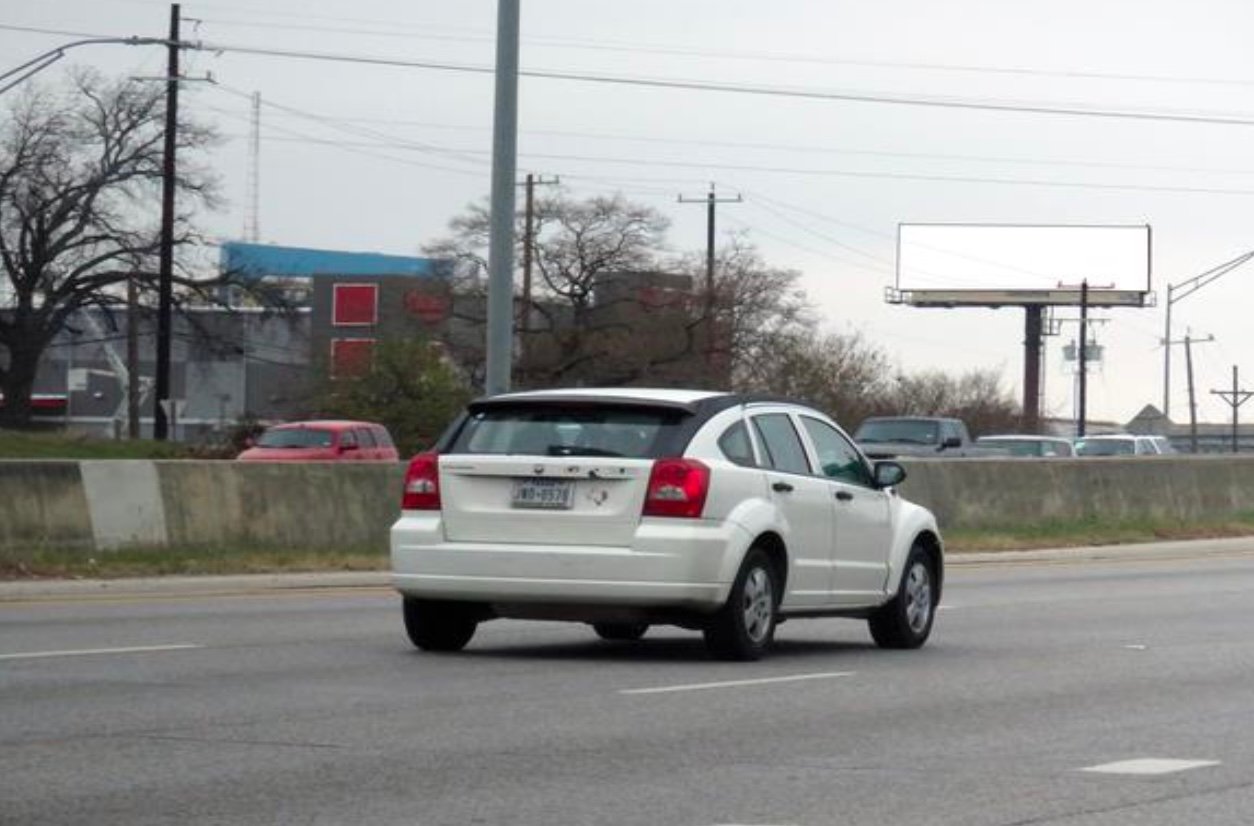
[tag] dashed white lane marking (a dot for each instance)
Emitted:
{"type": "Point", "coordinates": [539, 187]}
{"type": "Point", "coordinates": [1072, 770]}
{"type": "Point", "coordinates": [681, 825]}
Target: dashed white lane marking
{"type": "Point", "coordinates": [792, 678]}
{"type": "Point", "coordinates": [86, 652]}
{"type": "Point", "coordinates": [1150, 766]}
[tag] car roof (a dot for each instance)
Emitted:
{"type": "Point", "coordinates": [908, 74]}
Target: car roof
{"type": "Point", "coordinates": [1023, 437]}
{"type": "Point", "coordinates": [910, 418]}
{"type": "Point", "coordinates": [660, 394]}
{"type": "Point", "coordinates": [1113, 437]}
{"type": "Point", "coordinates": [324, 424]}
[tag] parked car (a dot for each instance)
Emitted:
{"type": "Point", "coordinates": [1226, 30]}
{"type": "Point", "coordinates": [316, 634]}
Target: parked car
{"type": "Point", "coordinates": [1122, 444]}
{"type": "Point", "coordinates": [323, 441]}
{"type": "Point", "coordinates": [886, 437]}
{"type": "Point", "coordinates": [1028, 445]}
{"type": "Point", "coordinates": [628, 507]}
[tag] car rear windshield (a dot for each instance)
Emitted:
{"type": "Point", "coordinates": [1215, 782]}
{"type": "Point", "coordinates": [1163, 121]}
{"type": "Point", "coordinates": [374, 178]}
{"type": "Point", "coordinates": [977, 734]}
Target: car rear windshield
{"type": "Point", "coordinates": [899, 430]}
{"type": "Point", "coordinates": [1105, 447]}
{"type": "Point", "coordinates": [1015, 447]}
{"type": "Point", "coordinates": [579, 430]}
{"type": "Point", "coordinates": [296, 437]}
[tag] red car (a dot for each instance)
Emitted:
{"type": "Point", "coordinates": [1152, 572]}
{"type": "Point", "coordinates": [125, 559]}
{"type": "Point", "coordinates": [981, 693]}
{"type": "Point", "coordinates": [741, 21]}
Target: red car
{"type": "Point", "coordinates": [323, 441]}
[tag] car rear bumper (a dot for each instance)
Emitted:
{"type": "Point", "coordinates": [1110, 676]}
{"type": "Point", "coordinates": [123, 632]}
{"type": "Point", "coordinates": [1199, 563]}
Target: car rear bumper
{"type": "Point", "coordinates": [670, 563]}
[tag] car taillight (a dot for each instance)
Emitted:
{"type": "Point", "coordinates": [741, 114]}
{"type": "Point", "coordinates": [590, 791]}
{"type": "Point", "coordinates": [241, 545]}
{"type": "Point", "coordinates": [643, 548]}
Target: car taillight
{"type": "Point", "coordinates": [677, 487]}
{"type": "Point", "coordinates": [422, 483]}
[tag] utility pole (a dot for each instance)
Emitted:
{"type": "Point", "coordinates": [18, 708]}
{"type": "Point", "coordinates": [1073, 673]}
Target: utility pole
{"type": "Point", "coordinates": [501, 235]}
{"type": "Point", "coordinates": [710, 200]}
{"type": "Point", "coordinates": [1188, 341]}
{"type": "Point", "coordinates": [529, 241]}
{"type": "Point", "coordinates": [165, 287]}
{"type": "Point", "coordinates": [132, 358]}
{"type": "Point", "coordinates": [1082, 415]}
{"type": "Point", "coordinates": [1235, 398]}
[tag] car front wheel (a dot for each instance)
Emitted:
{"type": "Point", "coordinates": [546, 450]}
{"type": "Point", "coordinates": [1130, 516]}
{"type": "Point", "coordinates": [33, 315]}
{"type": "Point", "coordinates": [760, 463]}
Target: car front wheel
{"type": "Point", "coordinates": [433, 625]}
{"type": "Point", "coordinates": [906, 620]}
{"type": "Point", "coordinates": [744, 627]}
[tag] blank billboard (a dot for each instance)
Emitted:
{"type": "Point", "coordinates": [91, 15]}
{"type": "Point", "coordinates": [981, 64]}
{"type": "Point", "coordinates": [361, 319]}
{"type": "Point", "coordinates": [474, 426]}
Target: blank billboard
{"type": "Point", "coordinates": [1012, 258]}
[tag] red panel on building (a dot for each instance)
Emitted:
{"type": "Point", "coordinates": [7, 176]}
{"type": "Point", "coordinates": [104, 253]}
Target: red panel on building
{"type": "Point", "coordinates": [351, 356]}
{"type": "Point", "coordinates": [355, 304]}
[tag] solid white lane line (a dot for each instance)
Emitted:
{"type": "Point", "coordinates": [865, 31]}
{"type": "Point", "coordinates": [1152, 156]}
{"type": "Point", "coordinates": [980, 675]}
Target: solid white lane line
{"type": "Point", "coordinates": [1148, 766]}
{"type": "Point", "coordinates": [737, 683]}
{"type": "Point", "coordinates": [137, 649]}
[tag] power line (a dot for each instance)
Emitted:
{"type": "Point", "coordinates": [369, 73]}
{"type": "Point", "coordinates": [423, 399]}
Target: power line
{"type": "Point", "coordinates": [706, 86]}
{"type": "Point", "coordinates": [1070, 110]}
{"type": "Point", "coordinates": [827, 150]}
{"type": "Point", "coordinates": [725, 54]}
{"type": "Point", "coordinates": [357, 130]}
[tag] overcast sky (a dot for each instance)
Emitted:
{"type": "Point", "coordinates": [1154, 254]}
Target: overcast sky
{"type": "Point", "coordinates": [361, 156]}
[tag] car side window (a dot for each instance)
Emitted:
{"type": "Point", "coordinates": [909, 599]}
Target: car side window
{"type": "Point", "coordinates": [347, 439]}
{"type": "Point", "coordinates": [784, 450]}
{"type": "Point", "coordinates": [365, 438]}
{"type": "Point", "coordinates": [1144, 447]}
{"type": "Point", "coordinates": [383, 438]}
{"type": "Point", "coordinates": [837, 457]}
{"type": "Point", "coordinates": [737, 446]}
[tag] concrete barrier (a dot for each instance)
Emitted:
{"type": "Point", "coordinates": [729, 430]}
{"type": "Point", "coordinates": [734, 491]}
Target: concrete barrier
{"type": "Point", "coordinates": [43, 504]}
{"type": "Point", "coordinates": [985, 494]}
{"type": "Point", "coordinates": [102, 505]}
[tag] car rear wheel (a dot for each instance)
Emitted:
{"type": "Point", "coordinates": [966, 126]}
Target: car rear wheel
{"type": "Point", "coordinates": [906, 620]}
{"type": "Point", "coordinates": [620, 631]}
{"type": "Point", "coordinates": [744, 627]}
{"type": "Point", "coordinates": [433, 625]}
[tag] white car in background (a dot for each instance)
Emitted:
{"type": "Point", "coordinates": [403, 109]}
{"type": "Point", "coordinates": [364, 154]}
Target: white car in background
{"type": "Point", "coordinates": [1123, 444]}
{"type": "Point", "coordinates": [628, 507]}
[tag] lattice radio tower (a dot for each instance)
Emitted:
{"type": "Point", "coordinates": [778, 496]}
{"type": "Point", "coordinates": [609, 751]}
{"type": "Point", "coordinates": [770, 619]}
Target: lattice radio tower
{"type": "Point", "coordinates": [252, 231]}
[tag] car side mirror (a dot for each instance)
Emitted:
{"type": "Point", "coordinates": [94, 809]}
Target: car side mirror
{"type": "Point", "coordinates": [951, 441]}
{"type": "Point", "coordinates": [888, 474]}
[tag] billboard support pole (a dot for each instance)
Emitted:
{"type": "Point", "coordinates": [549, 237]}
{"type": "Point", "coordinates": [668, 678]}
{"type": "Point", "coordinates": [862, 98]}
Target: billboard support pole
{"type": "Point", "coordinates": [1032, 329]}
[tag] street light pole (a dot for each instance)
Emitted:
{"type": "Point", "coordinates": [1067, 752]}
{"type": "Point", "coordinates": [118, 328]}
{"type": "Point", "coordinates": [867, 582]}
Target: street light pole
{"type": "Point", "coordinates": [37, 64]}
{"type": "Point", "coordinates": [1178, 292]}
{"type": "Point", "coordinates": [501, 238]}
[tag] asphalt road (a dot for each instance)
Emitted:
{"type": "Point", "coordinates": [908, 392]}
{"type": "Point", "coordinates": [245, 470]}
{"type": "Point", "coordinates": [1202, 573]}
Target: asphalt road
{"type": "Point", "coordinates": [309, 707]}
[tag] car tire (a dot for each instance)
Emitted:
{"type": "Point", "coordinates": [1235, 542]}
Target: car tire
{"type": "Point", "coordinates": [905, 621]}
{"type": "Point", "coordinates": [744, 628]}
{"type": "Point", "coordinates": [620, 631]}
{"type": "Point", "coordinates": [433, 625]}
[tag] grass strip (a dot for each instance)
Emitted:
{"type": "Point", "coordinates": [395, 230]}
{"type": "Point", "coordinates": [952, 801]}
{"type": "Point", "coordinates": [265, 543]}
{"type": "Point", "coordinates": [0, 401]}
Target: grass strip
{"type": "Point", "coordinates": [1071, 534]}
{"type": "Point", "coordinates": [48, 563]}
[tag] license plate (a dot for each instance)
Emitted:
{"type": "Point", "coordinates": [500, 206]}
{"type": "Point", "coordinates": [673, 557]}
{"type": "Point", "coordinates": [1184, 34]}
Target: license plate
{"type": "Point", "coordinates": [548, 494]}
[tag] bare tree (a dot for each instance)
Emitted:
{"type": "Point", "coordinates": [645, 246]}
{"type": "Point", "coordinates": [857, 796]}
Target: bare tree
{"type": "Point", "coordinates": [581, 323]}
{"type": "Point", "coordinates": [841, 373]}
{"type": "Point", "coordinates": [978, 397]}
{"type": "Point", "coordinates": [756, 308]}
{"type": "Point", "coordinates": [79, 180]}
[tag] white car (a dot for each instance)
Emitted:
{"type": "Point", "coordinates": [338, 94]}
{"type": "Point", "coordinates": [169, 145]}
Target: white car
{"type": "Point", "coordinates": [627, 507]}
{"type": "Point", "coordinates": [1123, 444]}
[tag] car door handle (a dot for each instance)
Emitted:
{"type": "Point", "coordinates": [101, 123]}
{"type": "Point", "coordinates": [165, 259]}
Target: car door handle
{"type": "Point", "coordinates": [781, 487]}
{"type": "Point", "coordinates": [844, 496]}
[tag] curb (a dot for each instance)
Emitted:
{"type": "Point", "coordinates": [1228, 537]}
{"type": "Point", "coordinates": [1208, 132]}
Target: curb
{"type": "Point", "coordinates": [244, 584]}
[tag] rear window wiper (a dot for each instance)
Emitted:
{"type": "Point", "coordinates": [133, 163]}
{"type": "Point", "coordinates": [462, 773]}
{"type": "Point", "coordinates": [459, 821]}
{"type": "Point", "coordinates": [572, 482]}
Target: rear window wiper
{"type": "Point", "coordinates": [575, 450]}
